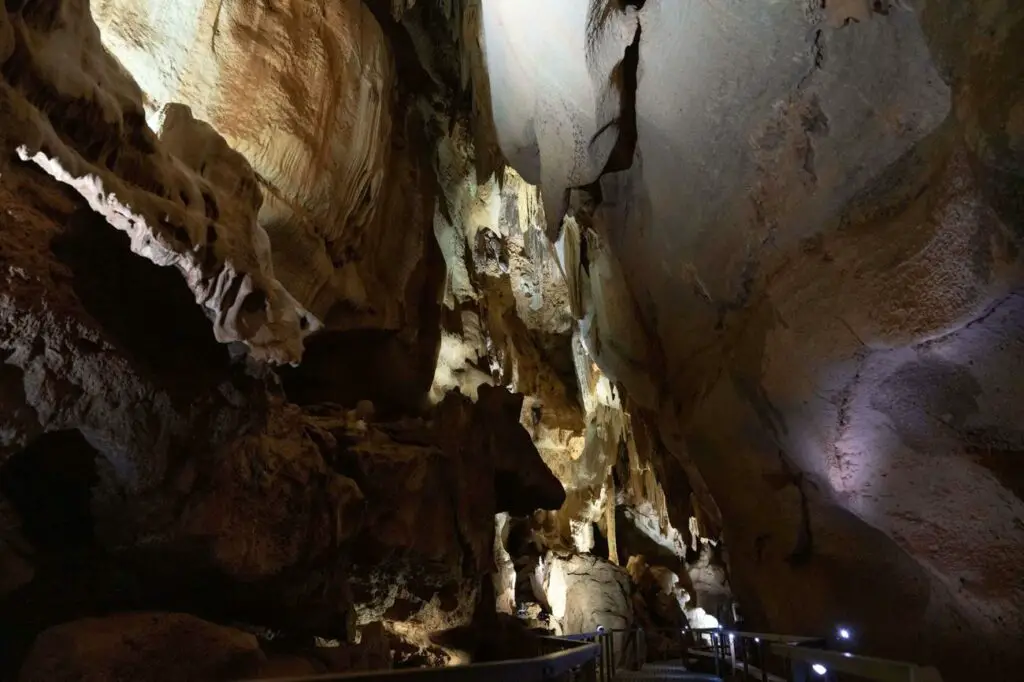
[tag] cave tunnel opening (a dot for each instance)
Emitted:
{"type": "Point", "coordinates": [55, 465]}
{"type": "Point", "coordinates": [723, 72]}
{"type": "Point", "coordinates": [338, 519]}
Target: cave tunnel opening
{"type": "Point", "coordinates": [345, 367]}
{"type": "Point", "coordinates": [49, 483]}
{"type": "Point", "coordinates": [601, 548]}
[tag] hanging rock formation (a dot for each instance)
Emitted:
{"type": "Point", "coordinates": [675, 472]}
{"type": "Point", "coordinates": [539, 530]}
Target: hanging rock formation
{"type": "Point", "coordinates": [330, 328]}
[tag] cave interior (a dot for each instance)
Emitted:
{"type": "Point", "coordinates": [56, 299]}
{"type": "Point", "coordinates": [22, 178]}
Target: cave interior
{"type": "Point", "coordinates": [358, 335]}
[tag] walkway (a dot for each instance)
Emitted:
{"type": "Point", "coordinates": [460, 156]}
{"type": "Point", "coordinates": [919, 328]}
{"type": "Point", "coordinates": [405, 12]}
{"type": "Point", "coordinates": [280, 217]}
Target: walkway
{"type": "Point", "coordinates": [727, 654]}
{"type": "Point", "coordinates": [659, 672]}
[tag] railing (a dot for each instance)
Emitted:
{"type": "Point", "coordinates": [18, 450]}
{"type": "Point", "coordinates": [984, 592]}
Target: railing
{"type": "Point", "coordinates": [583, 658]}
{"type": "Point", "coordinates": [605, 640]}
{"type": "Point", "coordinates": [734, 651]}
{"type": "Point", "coordinates": [735, 655]}
{"type": "Point", "coordinates": [787, 658]}
{"type": "Point", "coordinates": [863, 667]}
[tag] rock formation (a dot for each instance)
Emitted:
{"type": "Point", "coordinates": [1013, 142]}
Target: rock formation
{"type": "Point", "coordinates": [338, 335]}
{"type": "Point", "coordinates": [817, 238]}
{"type": "Point", "coordinates": [135, 646]}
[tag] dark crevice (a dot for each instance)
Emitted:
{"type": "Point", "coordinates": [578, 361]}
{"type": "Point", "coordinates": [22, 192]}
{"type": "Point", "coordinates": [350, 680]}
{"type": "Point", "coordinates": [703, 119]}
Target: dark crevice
{"type": "Point", "coordinates": [409, 69]}
{"type": "Point", "coordinates": [803, 546]}
{"type": "Point", "coordinates": [146, 310]}
{"type": "Point", "coordinates": [50, 483]}
{"type": "Point", "coordinates": [344, 367]}
{"type": "Point", "coordinates": [626, 77]}
{"type": "Point", "coordinates": [626, 74]}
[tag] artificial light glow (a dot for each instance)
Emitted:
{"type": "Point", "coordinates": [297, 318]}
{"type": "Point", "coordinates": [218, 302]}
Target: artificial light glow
{"type": "Point", "coordinates": [844, 633]}
{"type": "Point", "coordinates": [732, 637]}
{"type": "Point", "coordinates": [757, 639]}
{"type": "Point", "coordinates": [819, 669]}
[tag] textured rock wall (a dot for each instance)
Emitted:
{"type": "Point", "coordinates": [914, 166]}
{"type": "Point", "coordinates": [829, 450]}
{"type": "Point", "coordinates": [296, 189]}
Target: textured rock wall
{"type": "Point", "coordinates": [585, 592]}
{"type": "Point", "coordinates": [150, 459]}
{"type": "Point", "coordinates": [342, 149]}
{"type": "Point", "coordinates": [768, 292]}
{"type": "Point", "coordinates": [304, 94]}
{"type": "Point", "coordinates": [818, 237]}
{"type": "Point", "coordinates": [192, 208]}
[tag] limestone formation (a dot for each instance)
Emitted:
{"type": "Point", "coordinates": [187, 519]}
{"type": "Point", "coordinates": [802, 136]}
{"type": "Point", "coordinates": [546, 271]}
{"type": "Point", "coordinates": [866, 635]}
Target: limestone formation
{"type": "Point", "coordinates": [83, 123]}
{"type": "Point", "coordinates": [349, 325]}
{"type": "Point", "coordinates": [585, 592]}
{"type": "Point", "coordinates": [818, 241]}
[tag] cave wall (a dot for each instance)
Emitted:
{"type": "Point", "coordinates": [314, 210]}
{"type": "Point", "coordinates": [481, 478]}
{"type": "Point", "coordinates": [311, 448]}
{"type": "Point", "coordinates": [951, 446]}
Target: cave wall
{"type": "Point", "coordinates": [304, 94]}
{"type": "Point", "coordinates": [154, 456]}
{"type": "Point", "coordinates": [754, 273]}
{"type": "Point", "coordinates": [185, 199]}
{"type": "Point", "coordinates": [819, 237]}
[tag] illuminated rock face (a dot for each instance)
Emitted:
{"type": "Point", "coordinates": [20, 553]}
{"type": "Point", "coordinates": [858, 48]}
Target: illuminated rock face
{"type": "Point", "coordinates": [150, 458]}
{"type": "Point", "coordinates": [586, 592]}
{"type": "Point", "coordinates": [818, 236]}
{"type": "Point", "coordinates": [192, 207]}
{"type": "Point", "coordinates": [768, 292]}
{"type": "Point", "coordinates": [304, 95]}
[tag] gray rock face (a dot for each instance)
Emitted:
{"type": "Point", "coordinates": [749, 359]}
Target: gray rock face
{"type": "Point", "coordinates": [585, 592]}
{"type": "Point", "coordinates": [819, 239]}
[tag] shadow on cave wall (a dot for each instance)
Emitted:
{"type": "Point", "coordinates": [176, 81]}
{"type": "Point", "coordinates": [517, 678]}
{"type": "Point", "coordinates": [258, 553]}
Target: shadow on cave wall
{"type": "Point", "coordinates": [49, 483]}
{"type": "Point", "coordinates": [345, 367]}
{"type": "Point", "coordinates": [146, 309]}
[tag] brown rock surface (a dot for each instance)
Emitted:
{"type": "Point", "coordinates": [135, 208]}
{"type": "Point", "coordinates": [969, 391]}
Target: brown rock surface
{"type": "Point", "coordinates": [185, 199]}
{"type": "Point", "coordinates": [142, 646]}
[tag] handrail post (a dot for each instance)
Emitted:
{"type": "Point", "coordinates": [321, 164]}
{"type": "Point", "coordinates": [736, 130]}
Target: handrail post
{"type": "Point", "coordinates": [746, 658]}
{"type": "Point", "coordinates": [762, 661]}
{"type": "Point", "coordinates": [637, 636]}
{"type": "Point", "coordinates": [641, 648]}
{"type": "Point", "coordinates": [611, 647]}
{"type": "Point", "coordinates": [605, 672]}
{"type": "Point", "coordinates": [716, 640]}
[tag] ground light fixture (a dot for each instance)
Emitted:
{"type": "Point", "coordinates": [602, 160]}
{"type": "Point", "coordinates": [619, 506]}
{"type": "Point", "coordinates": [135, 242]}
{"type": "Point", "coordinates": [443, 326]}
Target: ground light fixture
{"type": "Point", "coordinates": [844, 633]}
{"type": "Point", "coordinates": [819, 669]}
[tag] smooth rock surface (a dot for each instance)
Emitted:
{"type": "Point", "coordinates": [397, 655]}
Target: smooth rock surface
{"type": "Point", "coordinates": [822, 250]}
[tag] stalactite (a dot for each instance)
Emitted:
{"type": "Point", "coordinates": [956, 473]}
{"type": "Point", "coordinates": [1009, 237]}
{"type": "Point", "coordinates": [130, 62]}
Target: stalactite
{"type": "Point", "coordinates": [613, 546]}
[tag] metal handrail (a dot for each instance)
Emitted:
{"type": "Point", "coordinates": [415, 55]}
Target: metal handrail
{"type": "Point", "coordinates": [591, 657]}
{"type": "Point", "coordinates": [760, 636]}
{"type": "Point", "coordinates": [586, 657]}
{"type": "Point", "coordinates": [866, 667]}
{"type": "Point", "coordinates": [801, 654]}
